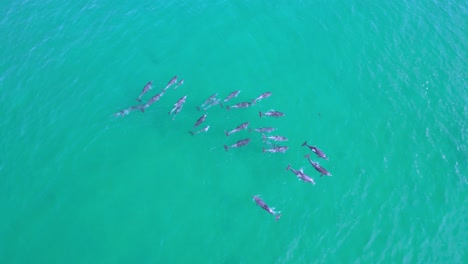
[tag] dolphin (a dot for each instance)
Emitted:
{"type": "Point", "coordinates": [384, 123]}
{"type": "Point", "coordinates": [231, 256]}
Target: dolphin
{"type": "Point", "coordinates": [152, 100]}
{"type": "Point", "coordinates": [272, 113]}
{"type": "Point", "coordinates": [212, 103]}
{"type": "Point", "coordinates": [200, 120]}
{"type": "Point", "coordinates": [263, 129]}
{"type": "Point", "coordinates": [178, 105]}
{"type": "Point", "coordinates": [239, 105]}
{"type": "Point", "coordinates": [147, 87]}
{"type": "Point", "coordinates": [237, 129]}
{"type": "Point", "coordinates": [207, 101]}
{"type": "Point", "coordinates": [200, 131]}
{"type": "Point", "coordinates": [316, 150]}
{"type": "Point", "coordinates": [274, 138]}
{"type": "Point", "coordinates": [301, 175]}
{"type": "Point", "coordinates": [317, 167]}
{"type": "Point", "coordinates": [127, 111]}
{"type": "Point", "coordinates": [230, 96]}
{"type": "Point", "coordinates": [177, 110]}
{"type": "Point", "coordinates": [172, 81]}
{"type": "Point", "coordinates": [281, 149]}
{"type": "Point", "coordinates": [239, 143]}
{"type": "Point", "coordinates": [263, 205]}
{"type": "Point", "coordinates": [262, 96]}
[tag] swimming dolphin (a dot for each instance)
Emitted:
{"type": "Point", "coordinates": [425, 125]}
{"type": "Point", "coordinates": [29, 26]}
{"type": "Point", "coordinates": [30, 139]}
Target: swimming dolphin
{"type": "Point", "coordinates": [281, 149]}
{"type": "Point", "coordinates": [171, 82]}
{"type": "Point", "coordinates": [272, 113]}
{"type": "Point", "coordinates": [207, 101]}
{"type": "Point", "coordinates": [274, 138]}
{"type": "Point", "coordinates": [178, 105]}
{"type": "Point", "coordinates": [237, 129]}
{"type": "Point", "coordinates": [200, 120]}
{"type": "Point", "coordinates": [152, 100]}
{"type": "Point", "coordinates": [301, 175]}
{"type": "Point", "coordinates": [147, 87]}
{"type": "Point", "coordinates": [127, 111]}
{"type": "Point", "coordinates": [263, 205]}
{"type": "Point", "coordinates": [239, 105]}
{"type": "Point", "coordinates": [230, 96]}
{"type": "Point", "coordinates": [200, 131]}
{"type": "Point", "coordinates": [317, 151]}
{"type": "Point", "coordinates": [177, 110]}
{"type": "Point", "coordinates": [262, 96]}
{"type": "Point", "coordinates": [212, 103]}
{"type": "Point", "coordinates": [263, 129]}
{"type": "Point", "coordinates": [239, 143]}
{"type": "Point", "coordinates": [317, 167]}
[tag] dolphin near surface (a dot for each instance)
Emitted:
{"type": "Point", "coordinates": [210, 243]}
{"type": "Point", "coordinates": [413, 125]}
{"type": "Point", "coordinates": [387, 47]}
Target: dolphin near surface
{"type": "Point", "coordinates": [267, 208]}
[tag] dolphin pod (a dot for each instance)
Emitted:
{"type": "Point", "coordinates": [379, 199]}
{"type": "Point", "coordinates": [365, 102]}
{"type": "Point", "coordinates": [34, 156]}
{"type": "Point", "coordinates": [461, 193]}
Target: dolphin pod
{"type": "Point", "coordinates": [214, 100]}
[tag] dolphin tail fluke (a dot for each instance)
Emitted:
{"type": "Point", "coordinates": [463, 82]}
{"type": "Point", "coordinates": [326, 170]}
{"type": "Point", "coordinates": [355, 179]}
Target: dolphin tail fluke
{"type": "Point", "coordinates": [226, 147]}
{"type": "Point", "coordinates": [198, 108]}
{"type": "Point", "coordinates": [277, 216]}
{"type": "Point", "coordinates": [192, 133]}
{"type": "Point", "coordinates": [305, 143]}
{"type": "Point", "coordinates": [260, 114]}
{"type": "Point", "coordinates": [221, 104]}
{"type": "Point", "coordinates": [138, 99]}
{"type": "Point", "coordinates": [227, 133]}
{"type": "Point", "coordinates": [307, 156]}
{"type": "Point", "coordinates": [289, 167]}
{"type": "Point", "coordinates": [263, 149]}
{"type": "Point", "coordinates": [263, 137]}
{"type": "Point", "coordinates": [228, 107]}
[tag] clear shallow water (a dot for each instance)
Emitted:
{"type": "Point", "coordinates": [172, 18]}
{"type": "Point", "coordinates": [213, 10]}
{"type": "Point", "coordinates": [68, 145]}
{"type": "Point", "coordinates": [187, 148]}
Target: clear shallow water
{"type": "Point", "coordinates": [381, 88]}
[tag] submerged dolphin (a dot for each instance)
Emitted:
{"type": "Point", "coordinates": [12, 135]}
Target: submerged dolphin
{"type": "Point", "coordinates": [208, 101]}
{"type": "Point", "coordinates": [239, 143]}
{"type": "Point", "coordinates": [317, 167]}
{"type": "Point", "coordinates": [240, 105]}
{"type": "Point", "coordinates": [171, 82]}
{"type": "Point", "coordinates": [267, 208]}
{"type": "Point", "coordinates": [200, 120]}
{"type": "Point", "coordinates": [274, 138]}
{"type": "Point", "coordinates": [147, 87]}
{"type": "Point", "coordinates": [272, 113]}
{"type": "Point", "coordinates": [127, 111]}
{"type": "Point", "coordinates": [199, 131]}
{"type": "Point", "coordinates": [262, 96]}
{"type": "Point", "coordinates": [280, 149]}
{"type": "Point", "coordinates": [301, 175]}
{"type": "Point", "coordinates": [230, 96]}
{"type": "Point", "coordinates": [237, 129]}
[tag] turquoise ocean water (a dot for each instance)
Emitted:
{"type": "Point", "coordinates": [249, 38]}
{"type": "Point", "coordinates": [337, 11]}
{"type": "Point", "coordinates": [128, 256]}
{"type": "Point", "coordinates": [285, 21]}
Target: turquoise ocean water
{"type": "Point", "coordinates": [380, 86]}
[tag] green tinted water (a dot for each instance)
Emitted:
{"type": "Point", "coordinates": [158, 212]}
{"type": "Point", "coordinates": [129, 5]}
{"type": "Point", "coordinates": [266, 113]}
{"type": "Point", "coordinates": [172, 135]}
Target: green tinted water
{"type": "Point", "coordinates": [381, 88]}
